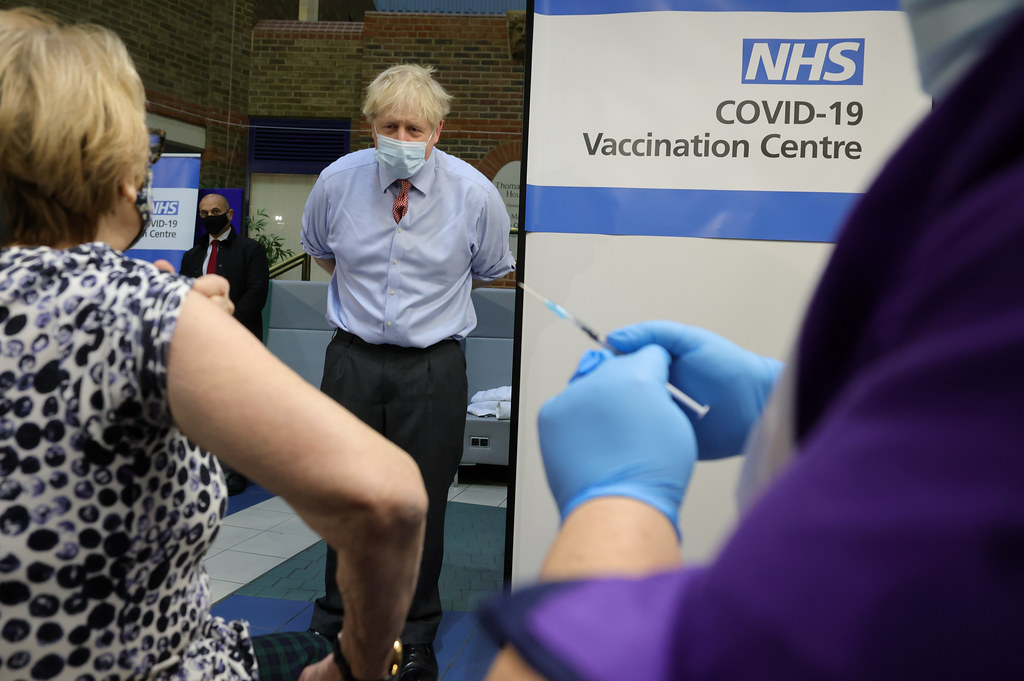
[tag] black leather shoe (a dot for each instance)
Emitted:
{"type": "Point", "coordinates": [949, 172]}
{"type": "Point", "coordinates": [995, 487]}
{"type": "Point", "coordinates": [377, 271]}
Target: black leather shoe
{"type": "Point", "coordinates": [236, 483]}
{"type": "Point", "coordinates": [418, 663]}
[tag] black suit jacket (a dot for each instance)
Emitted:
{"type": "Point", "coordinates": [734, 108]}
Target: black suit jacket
{"type": "Point", "coordinates": [243, 262]}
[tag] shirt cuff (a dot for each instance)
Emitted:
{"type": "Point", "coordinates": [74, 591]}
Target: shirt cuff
{"type": "Point", "coordinates": [507, 264]}
{"type": "Point", "coordinates": [315, 252]}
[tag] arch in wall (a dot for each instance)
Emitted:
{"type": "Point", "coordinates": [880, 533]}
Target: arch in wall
{"type": "Point", "coordinates": [496, 159]}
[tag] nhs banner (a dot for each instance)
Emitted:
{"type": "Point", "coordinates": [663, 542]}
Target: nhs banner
{"type": "Point", "coordinates": [173, 207]}
{"type": "Point", "coordinates": [752, 119]}
{"type": "Point", "coordinates": [804, 62]}
{"type": "Point", "coordinates": [166, 208]}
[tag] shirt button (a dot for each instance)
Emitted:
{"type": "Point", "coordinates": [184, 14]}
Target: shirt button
{"type": "Point", "coordinates": [392, 292]}
{"type": "Point", "coordinates": [395, 261]}
{"type": "Point", "coordinates": [399, 230]}
{"type": "Point", "coordinates": [389, 323]}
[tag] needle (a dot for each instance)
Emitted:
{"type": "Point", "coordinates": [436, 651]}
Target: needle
{"type": "Point", "coordinates": [695, 406]}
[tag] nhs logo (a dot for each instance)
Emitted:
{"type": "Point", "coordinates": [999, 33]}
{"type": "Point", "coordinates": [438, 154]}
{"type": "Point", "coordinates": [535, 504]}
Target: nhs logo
{"type": "Point", "coordinates": [165, 208]}
{"type": "Point", "coordinates": [804, 62]}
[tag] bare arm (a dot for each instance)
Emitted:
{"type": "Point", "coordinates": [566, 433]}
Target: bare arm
{"type": "Point", "coordinates": [357, 490]}
{"type": "Point", "coordinates": [612, 536]}
{"type": "Point", "coordinates": [326, 265]}
{"type": "Point", "coordinates": [213, 286]}
{"type": "Point", "coordinates": [607, 536]}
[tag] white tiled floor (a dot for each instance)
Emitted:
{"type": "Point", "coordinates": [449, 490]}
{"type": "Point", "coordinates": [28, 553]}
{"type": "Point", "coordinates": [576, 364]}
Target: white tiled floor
{"type": "Point", "coordinates": [263, 536]}
{"type": "Point", "coordinates": [482, 495]}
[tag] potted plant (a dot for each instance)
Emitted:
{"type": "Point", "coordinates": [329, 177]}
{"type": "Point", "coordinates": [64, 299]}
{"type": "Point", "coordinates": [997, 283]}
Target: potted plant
{"type": "Point", "coordinates": [256, 225]}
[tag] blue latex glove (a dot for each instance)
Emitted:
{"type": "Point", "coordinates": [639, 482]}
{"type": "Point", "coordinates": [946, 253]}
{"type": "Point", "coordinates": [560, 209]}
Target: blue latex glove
{"type": "Point", "coordinates": [735, 383]}
{"type": "Point", "coordinates": [615, 431]}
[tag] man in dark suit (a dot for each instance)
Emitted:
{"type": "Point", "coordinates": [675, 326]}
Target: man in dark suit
{"type": "Point", "coordinates": [243, 262]}
{"type": "Point", "coordinates": [239, 259]}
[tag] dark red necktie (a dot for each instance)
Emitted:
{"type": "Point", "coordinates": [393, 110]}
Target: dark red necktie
{"type": "Point", "coordinates": [211, 267]}
{"type": "Point", "coordinates": [402, 201]}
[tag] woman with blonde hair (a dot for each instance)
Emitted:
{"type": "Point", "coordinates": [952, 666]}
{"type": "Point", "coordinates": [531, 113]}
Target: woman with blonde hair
{"type": "Point", "coordinates": [111, 402]}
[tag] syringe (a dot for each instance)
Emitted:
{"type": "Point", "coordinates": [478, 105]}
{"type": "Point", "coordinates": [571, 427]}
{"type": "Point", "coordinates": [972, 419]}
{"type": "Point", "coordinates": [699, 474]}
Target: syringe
{"type": "Point", "coordinates": [694, 406]}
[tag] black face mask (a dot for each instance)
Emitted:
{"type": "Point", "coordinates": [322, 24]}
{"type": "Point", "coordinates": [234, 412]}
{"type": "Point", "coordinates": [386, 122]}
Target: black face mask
{"type": "Point", "coordinates": [142, 205]}
{"type": "Point", "coordinates": [214, 224]}
{"type": "Point", "coordinates": [3, 226]}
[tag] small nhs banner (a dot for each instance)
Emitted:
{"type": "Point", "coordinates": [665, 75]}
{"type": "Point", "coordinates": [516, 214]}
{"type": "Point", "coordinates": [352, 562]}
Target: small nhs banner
{"type": "Point", "coordinates": [777, 61]}
{"type": "Point", "coordinates": [165, 208]}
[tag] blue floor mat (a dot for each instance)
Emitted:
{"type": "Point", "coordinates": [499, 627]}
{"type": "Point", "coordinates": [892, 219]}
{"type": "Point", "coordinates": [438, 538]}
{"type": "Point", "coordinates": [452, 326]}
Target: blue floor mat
{"type": "Point", "coordinates": [252, 495]}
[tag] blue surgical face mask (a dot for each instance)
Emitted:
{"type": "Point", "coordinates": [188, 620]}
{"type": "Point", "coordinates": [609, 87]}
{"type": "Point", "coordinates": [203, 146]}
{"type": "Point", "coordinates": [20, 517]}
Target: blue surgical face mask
{"type": "Point", "coordinates": [950, 35]}
{"type": "Point", "coordinates": [401, 159]}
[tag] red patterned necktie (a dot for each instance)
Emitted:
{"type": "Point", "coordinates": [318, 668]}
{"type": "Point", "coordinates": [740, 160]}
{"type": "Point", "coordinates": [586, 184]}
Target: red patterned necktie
{"type": "Point", "coordinates": [211, 267]}
{"type": "Point", "coordinates": [401, 201]}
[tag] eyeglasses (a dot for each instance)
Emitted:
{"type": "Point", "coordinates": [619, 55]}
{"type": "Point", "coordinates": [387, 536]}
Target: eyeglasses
{"type": "Point", "coordinates": [156, 144]}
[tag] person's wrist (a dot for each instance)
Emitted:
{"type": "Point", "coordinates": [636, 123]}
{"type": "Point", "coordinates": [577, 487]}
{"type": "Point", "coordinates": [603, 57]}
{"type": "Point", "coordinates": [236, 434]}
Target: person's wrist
{"type": "Point", "coordinates": [666, 504]}
{"type": "Point", "coordinates": [346, 670]}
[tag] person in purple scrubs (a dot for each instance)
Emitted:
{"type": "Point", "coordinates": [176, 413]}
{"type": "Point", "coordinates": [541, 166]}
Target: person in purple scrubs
{"type": "Point", "coordinates": [883, 529]}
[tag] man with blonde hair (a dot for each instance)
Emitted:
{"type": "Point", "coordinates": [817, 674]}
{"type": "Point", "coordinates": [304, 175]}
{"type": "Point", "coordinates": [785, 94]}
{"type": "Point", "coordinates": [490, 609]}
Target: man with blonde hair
{"type": "Point", "coordinates": [405, 229]}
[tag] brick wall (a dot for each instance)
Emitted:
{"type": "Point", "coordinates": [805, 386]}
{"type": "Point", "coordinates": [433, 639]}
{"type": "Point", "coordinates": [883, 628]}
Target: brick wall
{"type": "Point", "coordinates": [193, 57]}
{"type": "Point", "coordinates": [210, 63]}
{"type": "Point", "coordinates": [228, 40]}
{"type": "Point", "coordinates": [306, 69]}
{"type": "Point", "coordinates": [321, 70]}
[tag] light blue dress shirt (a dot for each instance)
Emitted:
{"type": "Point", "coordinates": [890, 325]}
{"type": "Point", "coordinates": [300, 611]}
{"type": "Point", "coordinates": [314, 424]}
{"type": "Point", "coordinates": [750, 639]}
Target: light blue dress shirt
{"type": "Point", "coordinates": [409, 283]}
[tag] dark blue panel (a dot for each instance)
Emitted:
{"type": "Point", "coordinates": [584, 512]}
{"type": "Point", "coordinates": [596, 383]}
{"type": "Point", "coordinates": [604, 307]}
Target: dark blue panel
{"type": "Point", "coordinates": [296, 145]}
{"type": "Point", "coordinates": [291, 167]}
{"type": "Point", "coordinates": [782, 216]}
{"type": "Point", "coordinates": [564, 7]}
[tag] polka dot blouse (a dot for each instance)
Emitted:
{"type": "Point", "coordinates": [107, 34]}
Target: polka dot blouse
{"type": "Point", "coordinates": [106, 508]}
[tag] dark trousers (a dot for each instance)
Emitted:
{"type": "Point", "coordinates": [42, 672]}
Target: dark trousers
{"type": "Point", "coordinates": [282, 656]}
{"type": "Point", "coordinates": [416, 398]}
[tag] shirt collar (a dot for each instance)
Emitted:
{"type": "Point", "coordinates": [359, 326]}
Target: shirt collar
{"type": "Point", "coordinates": [227, 233]}
{"type": "Point", "coordinates": [422, 180]}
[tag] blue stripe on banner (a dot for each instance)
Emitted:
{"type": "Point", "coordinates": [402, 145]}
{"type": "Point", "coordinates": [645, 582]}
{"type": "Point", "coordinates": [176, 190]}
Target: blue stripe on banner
{"type": "Point", "coordinates": [566, 7]}
{"type": "Point", "coordinates": [152, 255]}
{"type": "Point", "coordinates": [176, 172]}
{"type": "Point", "coordinates": [781, 216]}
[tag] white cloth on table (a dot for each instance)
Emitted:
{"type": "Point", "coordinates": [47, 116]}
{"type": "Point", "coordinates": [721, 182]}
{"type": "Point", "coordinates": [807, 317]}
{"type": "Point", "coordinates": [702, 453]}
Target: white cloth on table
{"type": "Point", "coordinates": [494, 402]}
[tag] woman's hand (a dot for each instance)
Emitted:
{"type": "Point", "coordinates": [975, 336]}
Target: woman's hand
{"type": "Point", "coordinates": [213, 286]}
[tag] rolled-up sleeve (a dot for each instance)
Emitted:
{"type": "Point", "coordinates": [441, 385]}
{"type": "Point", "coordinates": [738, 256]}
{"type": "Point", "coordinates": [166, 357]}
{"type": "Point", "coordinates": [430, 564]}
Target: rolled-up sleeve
{"type": "Point", "coordinates": [491, 255]}
{"type": "Point", "coordinates": [595, 629]}
{"type": "Point", "coordinates": [314, 235]}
